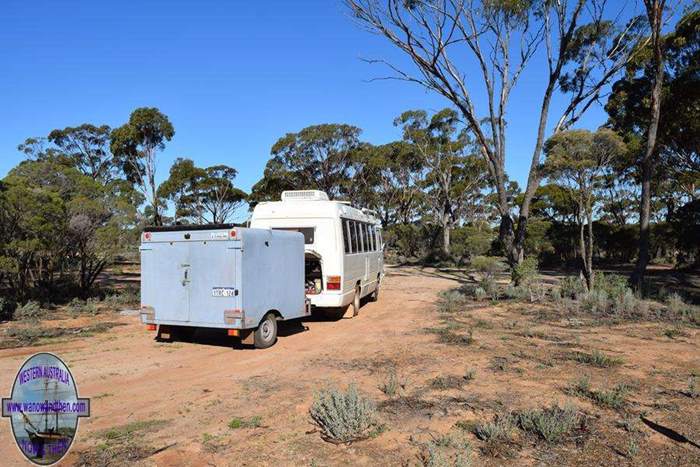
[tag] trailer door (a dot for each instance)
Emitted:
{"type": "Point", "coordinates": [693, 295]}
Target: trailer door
{"type": "Point", "coordinates": [213, 280]}
{"type": "Point", "coordinates": [166, 270]}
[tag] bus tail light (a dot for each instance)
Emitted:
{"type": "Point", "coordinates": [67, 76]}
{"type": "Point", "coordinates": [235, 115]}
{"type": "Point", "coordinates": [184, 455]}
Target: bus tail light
{"type": "Point", "coordinates": [151, 327]}
{"type": "Point", "coordinates": [333, 282]}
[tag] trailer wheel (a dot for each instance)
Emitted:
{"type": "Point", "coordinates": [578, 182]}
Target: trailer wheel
{"type": "Point", "coordinates": [266, 333]}
{"type": "Point", "coordinates": [356, 301]}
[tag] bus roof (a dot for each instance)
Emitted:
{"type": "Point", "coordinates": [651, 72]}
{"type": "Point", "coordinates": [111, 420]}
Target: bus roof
{"type": "Point", "coordinates": [310, 209]}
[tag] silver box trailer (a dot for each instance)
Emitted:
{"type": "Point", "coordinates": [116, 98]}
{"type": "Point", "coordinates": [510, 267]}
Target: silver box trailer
{"type": "Point", "coordinates": [239, 279]}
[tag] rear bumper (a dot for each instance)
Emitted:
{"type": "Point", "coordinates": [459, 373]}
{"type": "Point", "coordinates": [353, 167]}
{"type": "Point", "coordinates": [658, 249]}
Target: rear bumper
{"type": "Point", "coordinates": [331, 300]}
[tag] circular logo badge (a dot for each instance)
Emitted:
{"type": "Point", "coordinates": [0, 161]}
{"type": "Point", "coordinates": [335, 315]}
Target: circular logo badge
{"type": "Point", "coordinates": [44, 408]}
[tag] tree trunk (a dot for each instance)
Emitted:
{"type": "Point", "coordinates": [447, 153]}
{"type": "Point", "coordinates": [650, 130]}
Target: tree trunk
{"type": "Point", "coordinates": [654, 13]}
{"type": "Point", "coordinates": [589, 252]}
{"type": "Point", "coordinates": [582, 254]}
{"type": "Point", "coordinates": [446, 237]}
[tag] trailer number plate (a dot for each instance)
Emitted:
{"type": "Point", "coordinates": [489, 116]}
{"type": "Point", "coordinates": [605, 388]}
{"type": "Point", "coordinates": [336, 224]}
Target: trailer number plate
{"type": "Point", "coordinates": [223, 292]}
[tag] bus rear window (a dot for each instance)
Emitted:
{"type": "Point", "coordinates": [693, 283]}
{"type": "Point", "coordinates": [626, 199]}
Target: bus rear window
{"type": "Point", "coordinates": [308, 232]}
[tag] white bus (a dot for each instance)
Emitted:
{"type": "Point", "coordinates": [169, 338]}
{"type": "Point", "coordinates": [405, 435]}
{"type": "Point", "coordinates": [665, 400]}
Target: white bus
{"type": "Point", "coordinates": [343, 246]}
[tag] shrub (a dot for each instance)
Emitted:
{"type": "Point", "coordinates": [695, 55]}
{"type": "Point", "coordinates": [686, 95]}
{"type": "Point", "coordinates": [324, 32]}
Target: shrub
{"type": "Point", "coordinates": [613, 284]}
{"type": "Point", "coordinates": [500, 429]}
{"type": "Point", "coordinates": [392, 384]}
{"type": "Point", "coordinates": [571, 287]}
{"type": "Point", "coordinates": [516, 292]}
{"type": "Point", "coordinates": [82, 307]}
{"type": "Point", "coordinates": [7, 308]}
{"type": "Point", "coordinates": [597, 358]}
{"type": "Point", "coordinates": [127, 296]}
{"type": "Point", "coordinates": [252, 422]}
{"type": "Point", "coordinates": [550, 423]}
{"type": "Point", "coordinates": [480, 293]}
{"type": "Point", "coordinates": [525, 272]}
{"type": "Point", "coordinates": [343, 417]}
{"type": "Point", "coordinates": [613, 398]}
{"type": "Point", "coordinates": [595, 301]}
{"type": "Point", "coordinates": [451, 301]}
{"type": "Point", "coordinates": [626, 303]}
{"type": "Point", "coordinates": [29, 311]}
{"type": "Point", "coordinates": [486, 265]}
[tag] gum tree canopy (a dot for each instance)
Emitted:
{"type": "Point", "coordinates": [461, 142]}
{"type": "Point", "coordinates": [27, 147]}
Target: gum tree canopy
{"type": "Point", "coordinates": [583, 45]}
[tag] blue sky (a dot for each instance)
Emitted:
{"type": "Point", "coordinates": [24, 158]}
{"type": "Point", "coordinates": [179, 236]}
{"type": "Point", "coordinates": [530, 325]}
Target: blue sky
{"type": "Point", "coordinates": [232, 76]}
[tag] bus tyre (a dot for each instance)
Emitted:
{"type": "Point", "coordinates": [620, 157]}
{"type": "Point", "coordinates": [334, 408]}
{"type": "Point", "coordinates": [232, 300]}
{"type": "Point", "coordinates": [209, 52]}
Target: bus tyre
{"type": "Point", "coordinates": [375, 295]}
{"type": "Point", "coordinates": [266, 333]}
{"type": "Point", "coordinates": [356, 302]}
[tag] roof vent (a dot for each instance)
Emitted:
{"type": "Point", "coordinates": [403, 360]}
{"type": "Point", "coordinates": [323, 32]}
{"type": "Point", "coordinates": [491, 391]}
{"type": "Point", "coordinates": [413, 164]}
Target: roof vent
{"type": "Point", "coordinates": [304, 195]}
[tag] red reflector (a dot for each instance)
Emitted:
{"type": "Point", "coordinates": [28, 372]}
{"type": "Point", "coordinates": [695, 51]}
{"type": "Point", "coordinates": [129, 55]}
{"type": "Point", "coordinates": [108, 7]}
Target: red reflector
{"type": "Point", "coordinates": [147, 236]}
{"type": "Point", "coordinates": [232, 234]}
{"type": "Point", "coordinates": [233, 332]}
{"type": "Point", "coordinates": [151, 327]}
{"type": "Point", "coordinates": [333, 286]}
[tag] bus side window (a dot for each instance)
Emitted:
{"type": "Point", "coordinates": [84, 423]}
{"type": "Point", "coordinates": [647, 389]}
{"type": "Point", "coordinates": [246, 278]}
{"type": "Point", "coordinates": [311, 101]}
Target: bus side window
{"type": "Point", "coordinates": [379, 239]}
{"type": "Point", "coordinates": [353, 235]}
{"type": "Point", "coordinates": [372, 238]}
{"type": "Point", "coordinates": [365, 235]}
{"type": "Point", "coordinates": [346, 237]}
{"type": "Point", "coordinates": [361, 235]}
{"type": "Point", "coordinates": [370, 234]}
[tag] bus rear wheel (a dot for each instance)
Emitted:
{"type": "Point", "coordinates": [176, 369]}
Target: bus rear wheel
{"type": "Point", "coordinates": [375, 295]}
{"type": "Point", "coordinates": [356, 301]}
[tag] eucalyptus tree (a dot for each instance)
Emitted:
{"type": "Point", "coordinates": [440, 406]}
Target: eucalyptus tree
{"type": "Point", "coordinates": [388, 178]}
{"type": "Point", "coordinates": [583, 44]}
{"type": "Point", "coordinates": [453, 177]}
{"type": "Point", "coordinates": [578, 160]}
{"type": "Point", "coordinates": [135, 146]}
{"type": "Point", "coordinates": [664, 76]}
{"type": "Point", "coordinates": [202, 195]}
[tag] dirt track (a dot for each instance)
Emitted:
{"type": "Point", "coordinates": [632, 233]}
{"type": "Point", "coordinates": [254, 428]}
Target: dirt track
{"type": "Point", "coordinates": [198, 387]}
{"type": "Point", "coordinates": [193, 389]}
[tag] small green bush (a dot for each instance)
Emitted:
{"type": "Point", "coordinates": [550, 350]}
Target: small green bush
{"type": "Point", "coordinates": [343, 416]}
{"type": "Point", "coordinates": [252, 422]}
{"type": "Point", "coordinates": [29, 311]}
{"type": "Point", "coordinates": [392, 384]}
{"type": "Point", "coordinates": [500, 429]}
{"type": "Point", "coordinates": [82, 307]}
{"type": "Point", "coordinates": [597, 358]}
{"type": "Point", "coordinates": [127, 296]}
{"type": "Point", "coordinates": [451, 301]}
{"type": "Point", "coordinates": [525, 272]}
{"type": "Point", "coordinates": [551, 423]}
{"type": "Point", "coordinates": [486, 265]}
{"type": "Point", "coordinates": [480, 293]}
{"type": "Point", "coordinates": [571, 287]}
{"type": "Point", "coordinates": [613, 398]}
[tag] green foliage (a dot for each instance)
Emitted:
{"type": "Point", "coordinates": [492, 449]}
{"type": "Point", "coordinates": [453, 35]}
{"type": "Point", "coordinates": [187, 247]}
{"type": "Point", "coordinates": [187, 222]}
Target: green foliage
{"type": "Point", "coordinates": [317, 157]}
{"type": "Point", "coordinates": [29, 311]}
{"type": "Point", "coordinates": [472, 240]}
{"type": "Point", "coordinates": [135, 146]}
{"type": "Point", "coordinates": [488, 266]}
{"type": "Point", "coordinates": [501, 429]}
{"type": "Point", "coordinates": [597, 358]}
{"type": "Point", "coordinates": [202, 195]}
{"type": "Point", "coordinates": [392, 384]}
{"type": "Point", "coordinates": [127, 296]}
{"type": "Point", "coordinates": [343, 416]}
{"type": "Point", "coordinates": [551, 423]}
{"type": "Point", "coordinates": [451, 301]}
{"type": "Point", "coordinates": [252, 422]}
{"type": "Point", "coordinates": [82, 307]}
{"type": "Point", "coordinates": [525, 272]}
{"type": "Point", "coordinates": [60, 228]}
